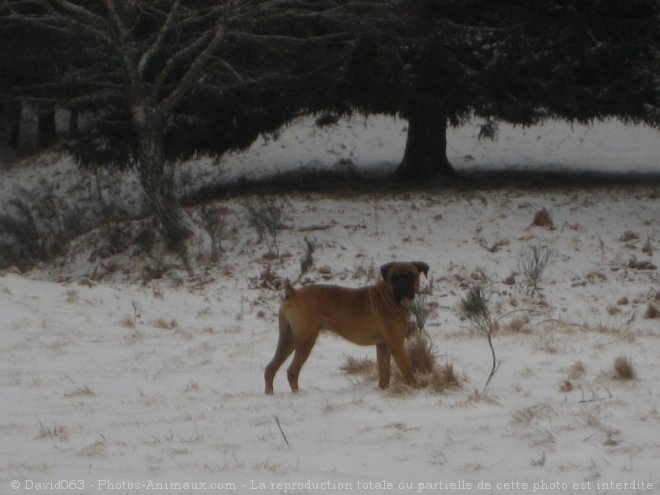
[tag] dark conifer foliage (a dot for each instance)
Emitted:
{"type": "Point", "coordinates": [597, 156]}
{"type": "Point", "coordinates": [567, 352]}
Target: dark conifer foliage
{"type": "Point", "coordinates": [434, 62]}
{"type": "Point", "coordinates": [517, 60]}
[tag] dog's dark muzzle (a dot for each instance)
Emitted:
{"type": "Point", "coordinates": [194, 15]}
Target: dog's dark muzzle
{"type": "Point", "coordinates": [403, 287]}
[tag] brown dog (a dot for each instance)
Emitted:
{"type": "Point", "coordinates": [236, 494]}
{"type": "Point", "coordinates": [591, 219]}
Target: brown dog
{"type": "Point", "coordinates": [375, 315]}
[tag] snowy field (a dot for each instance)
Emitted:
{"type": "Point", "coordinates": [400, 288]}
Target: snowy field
{"type": "Point", "coordinates": [113, 381]}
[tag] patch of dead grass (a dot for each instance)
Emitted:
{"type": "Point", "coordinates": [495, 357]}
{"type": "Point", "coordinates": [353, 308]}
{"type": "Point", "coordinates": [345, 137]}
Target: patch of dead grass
{"type": "Point", "coordinates": [164, 324]}
{"type": "Point", "coordinates": [577, 370]}
{"type": "Point", "coordinates": [475, 397]}
{"type": "Point", "coordinates": [365, 367]}
{"type": "Point", "coordinates": [429, 374]}
{"type": "Point", "coordinates": [519, 325]}
{"type": "Point", "coordinates": [57, 432]}
{"type": "Point", "coordinates": [84, 391]}
{"type": "Point", "coordinates": [543, 218]}
{"type": "Point", "coordinates": [624, 369]}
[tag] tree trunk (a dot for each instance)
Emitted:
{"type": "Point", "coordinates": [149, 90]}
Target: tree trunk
{"type": "Point", "coordinates": [425, 156]}
{"type": "Point", "coordinates": [46, 131]}
{"type": "Point", "coordinates": [14, 116]}
{"type": "Point", "coordinates": [73, 122]}
{"type": "Point", "coordinates": [157, 179]}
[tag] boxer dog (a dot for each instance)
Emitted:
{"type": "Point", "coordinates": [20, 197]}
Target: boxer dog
{"type": "Point", "coordinates": [373, 315]}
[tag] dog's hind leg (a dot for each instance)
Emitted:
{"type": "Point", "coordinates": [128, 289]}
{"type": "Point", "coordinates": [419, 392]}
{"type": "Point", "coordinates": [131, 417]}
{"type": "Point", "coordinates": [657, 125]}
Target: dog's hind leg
{"type": "Point", "coordinates": [302, 353]}
{"type": "Point", "coordinates": [284, 349]}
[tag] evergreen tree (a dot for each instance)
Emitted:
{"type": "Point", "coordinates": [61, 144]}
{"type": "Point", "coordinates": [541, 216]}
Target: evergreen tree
{"type": "Point", "coordinates": [516, 60]}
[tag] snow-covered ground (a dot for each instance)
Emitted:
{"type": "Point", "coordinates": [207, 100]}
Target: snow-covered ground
{"type": "Point", "coordinates": [112, 381]}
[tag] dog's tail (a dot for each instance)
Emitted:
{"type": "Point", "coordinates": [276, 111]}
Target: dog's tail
{"type": "Point", "coordinates": [288, 289]}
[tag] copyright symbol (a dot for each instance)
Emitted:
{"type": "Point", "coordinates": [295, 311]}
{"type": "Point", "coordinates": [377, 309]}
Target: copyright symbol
{"type": "Point", "coordinates": [15, 484]}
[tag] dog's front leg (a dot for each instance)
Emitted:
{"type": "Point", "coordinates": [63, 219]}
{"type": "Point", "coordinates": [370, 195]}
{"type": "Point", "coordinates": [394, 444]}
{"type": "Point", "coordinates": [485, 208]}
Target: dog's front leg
{"type": "Point", "coordinates": [383, 355]}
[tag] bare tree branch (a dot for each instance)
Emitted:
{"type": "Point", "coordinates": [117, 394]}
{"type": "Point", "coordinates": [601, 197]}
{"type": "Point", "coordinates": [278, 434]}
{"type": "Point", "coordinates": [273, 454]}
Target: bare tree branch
{"type": "Point", "coordinates": [82, 14]}
{"type": "Point", "coordinates": [195, 70]}
{"type": "Point", "coordinates": [158, 42]}
{"type": "Point", "coordinates": [128, 52]}
{"type": "Point", "coordinates": [72, 19]}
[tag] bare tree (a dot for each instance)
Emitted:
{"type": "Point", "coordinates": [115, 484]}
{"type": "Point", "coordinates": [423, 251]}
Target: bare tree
{"type": "Point", "coordinates": [145, 59]}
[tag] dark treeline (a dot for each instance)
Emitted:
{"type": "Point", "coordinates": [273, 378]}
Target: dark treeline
{"type": "Point", "coordinates": [163, 80]}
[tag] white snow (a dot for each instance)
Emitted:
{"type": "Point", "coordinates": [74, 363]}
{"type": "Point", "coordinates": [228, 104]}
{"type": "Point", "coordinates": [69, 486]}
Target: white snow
{"type": "Point", "coordinates": [127, 387]}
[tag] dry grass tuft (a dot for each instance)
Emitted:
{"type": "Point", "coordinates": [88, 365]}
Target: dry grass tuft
{"type": "Point", "coordinates": [421, 353]}
{"type": "Point", "coordinates": [366, 367]}
{"type": "Point", "coordinates": [476, 396]}
{"type": "Point", "coordinates": [577, 370]}
{"type": "Point", "coordinates": [80, 392]}
{"type": "Point", "coordinates": [429, 374]}
{"type": "Point", "coordinates": [441, 378]}
{"type": "Point", "coordinates": [629, 236]}
{"type": "Point", "coordinates": [547, 343]}
{"type": "Point", "coordinates": [566, 386]}
{"type": "Point", "coordinates": [652, 311]}
{"type": "Point", "coordinates": [624, 369]}
{"type": "Point", "coordinates": [129, 323]}
{"type": "Point", "coordinates": [538, 412]}
{"type": "Point", "coordinates": [56, 432]}
{"type": "Point", "coordinates": [164, 324]}
{"type": "Point", "coordinates": [543, 218]}
{"type": "Point", "coordinates": [518, 325]}
{"type": "Point", "coordinates": [71, 296]}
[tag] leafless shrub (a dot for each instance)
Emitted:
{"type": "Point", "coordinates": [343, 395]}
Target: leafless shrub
{"type": "Point", "coordinates": [648, 247]}
{"type": "Point", "coordinates": [145, 236]}
{"type": "Point", "coordinates": [19, 235]}
{"type": "Point", "coordinates": [577, 370]}
{"type": "Point", "coordinates": [539, 462]}
{"type": "Point", "coordinates": [214, 222]}
{"type": "Point", "coordinates": [37, 224]}
{"type": "Point", "coordinates": [652, 311]}
{"type": "Point", "coordinates": [491, 247]}
{"type": "Point", "coordinates": [114, 239]}
{"type": "Point", "coordinates": [533, 263]}
{"type": "Point", "coordinates": [543, 218]}
{"type": "Point", "coordinates": [56, 432]}
{"type": "Point", "coordinates": [566, 386]}
{"type": "Point", "coordinates": [475, 307]}
{"type": "Point", "coordinates": [308, 259]}
{"type": "Point", "coordinates": [624, 369]}
{"type": "Point", "coordinates": [636, 264]}
{"type": "Point", "coordinates": [629, 236]}
{"type": "Point", "coordinates": [419, 313]}
{"type": "Point", "coordinates": [266, 216]}
{"type": "Point", "coordinates": [267, 279]}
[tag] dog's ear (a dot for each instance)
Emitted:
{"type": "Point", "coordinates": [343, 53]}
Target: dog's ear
{"type": "Point", "coordinates": [422, 267]}
{"type": "Point", "coordinates": [384, 270]}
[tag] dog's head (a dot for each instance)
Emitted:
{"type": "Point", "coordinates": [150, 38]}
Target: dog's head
{"type": "Point", "coordinates": [403, 278]}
